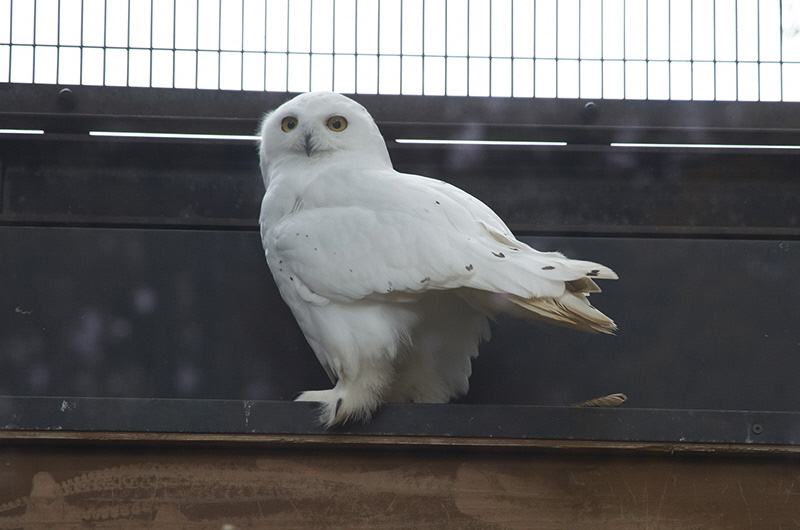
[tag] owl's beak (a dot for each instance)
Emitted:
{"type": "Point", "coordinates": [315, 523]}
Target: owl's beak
{"type": "Point", "coordinates": [308, 143]}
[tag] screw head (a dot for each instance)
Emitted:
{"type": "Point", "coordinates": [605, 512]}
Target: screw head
{"type": "Point", "coordinates": [757, 428]}
{"type": "Point", "coordinates": [590, 111]}
{"type": "Point", "coordinates": [66, 99]}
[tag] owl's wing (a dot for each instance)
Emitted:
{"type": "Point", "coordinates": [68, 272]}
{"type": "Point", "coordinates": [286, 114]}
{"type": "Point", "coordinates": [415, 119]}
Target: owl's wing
{"type": "Point", "coordinates": [403, 234]}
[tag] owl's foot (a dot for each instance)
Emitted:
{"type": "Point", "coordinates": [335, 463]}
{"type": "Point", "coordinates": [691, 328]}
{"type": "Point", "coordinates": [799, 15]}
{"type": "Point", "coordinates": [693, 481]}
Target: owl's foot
{"type": "Point", "coordinates": [343, 403]}
{"type": "Point", "coordinates": [330, 404]}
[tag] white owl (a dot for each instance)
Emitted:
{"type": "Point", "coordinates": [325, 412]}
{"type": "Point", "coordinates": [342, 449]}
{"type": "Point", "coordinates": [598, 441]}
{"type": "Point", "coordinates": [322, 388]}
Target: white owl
{"type": "Point", "coordinates": [393, 277]}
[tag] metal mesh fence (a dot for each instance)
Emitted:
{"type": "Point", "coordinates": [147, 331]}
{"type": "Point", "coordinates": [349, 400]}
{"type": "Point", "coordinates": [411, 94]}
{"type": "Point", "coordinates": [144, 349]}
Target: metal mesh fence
{"type": "Point", "coordinates": [635, 49]}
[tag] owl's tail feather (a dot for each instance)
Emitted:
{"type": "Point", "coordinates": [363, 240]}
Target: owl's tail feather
{"type": "Point", "coordinates": [572, 309]}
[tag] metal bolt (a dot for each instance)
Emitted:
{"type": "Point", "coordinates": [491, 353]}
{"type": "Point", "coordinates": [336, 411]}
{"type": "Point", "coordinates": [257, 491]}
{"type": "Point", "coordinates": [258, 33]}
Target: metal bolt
{"type": "Point", "coordinates": [66, 99]}
{"type": "Point", "coordinates": [590, 111]}
{"type": "Point", "coordinates": [757, 428]}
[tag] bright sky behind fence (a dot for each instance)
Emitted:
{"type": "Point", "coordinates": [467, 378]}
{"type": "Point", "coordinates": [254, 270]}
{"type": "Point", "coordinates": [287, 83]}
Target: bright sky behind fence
{"type": "Point", "coordinates": [638, 49]}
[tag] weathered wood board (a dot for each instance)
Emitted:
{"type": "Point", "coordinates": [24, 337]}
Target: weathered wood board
{"type": "Point", "coordinates": [200, 485]}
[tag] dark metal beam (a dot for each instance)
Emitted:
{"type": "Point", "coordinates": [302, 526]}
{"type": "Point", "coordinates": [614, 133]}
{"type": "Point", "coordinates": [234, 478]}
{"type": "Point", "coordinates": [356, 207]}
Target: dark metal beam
{"type": "Point", "coordinates": [228, 112]}
{"type": "Point", "coordinates": [484, 421]}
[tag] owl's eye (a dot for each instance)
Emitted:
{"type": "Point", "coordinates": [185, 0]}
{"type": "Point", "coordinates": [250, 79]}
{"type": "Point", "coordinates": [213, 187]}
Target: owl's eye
{"type": "Point", "coordinates": [336, 123]}
{"type": "Point", "coordinates": [288, 123]}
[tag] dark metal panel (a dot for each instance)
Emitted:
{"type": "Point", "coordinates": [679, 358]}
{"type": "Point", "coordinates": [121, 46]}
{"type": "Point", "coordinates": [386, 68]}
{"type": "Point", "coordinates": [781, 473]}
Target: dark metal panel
{"type": "Point", "coordinates": [212, 111]}
{"type": "Point", "coordinates": [704, 324]}
{"type": "Point", "coordinates": [132, 179]}
{"type": "Point", "coordinates": [483, 421]}
{"type": "Point", "coordinates": [627, 192]}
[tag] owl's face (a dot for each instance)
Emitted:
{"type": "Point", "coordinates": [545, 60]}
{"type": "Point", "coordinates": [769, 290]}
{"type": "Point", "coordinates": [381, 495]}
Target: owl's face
{"type": "Point", "coordinates": [319, 126]}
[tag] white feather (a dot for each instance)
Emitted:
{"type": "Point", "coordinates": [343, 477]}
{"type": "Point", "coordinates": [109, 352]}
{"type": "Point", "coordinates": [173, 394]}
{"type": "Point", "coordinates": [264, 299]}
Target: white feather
{"type": "Point", "coordinates": [392, 276]}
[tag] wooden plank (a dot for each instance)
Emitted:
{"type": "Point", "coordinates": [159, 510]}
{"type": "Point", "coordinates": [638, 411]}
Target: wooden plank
{"type": "Point", "coordinates": [124, 486]}
{"type": "Point", "coordinates": [390, 443]}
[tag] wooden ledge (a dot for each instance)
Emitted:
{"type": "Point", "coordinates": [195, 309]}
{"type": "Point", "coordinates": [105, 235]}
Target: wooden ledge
{"type": "Point", "coordinates": [327, 442]}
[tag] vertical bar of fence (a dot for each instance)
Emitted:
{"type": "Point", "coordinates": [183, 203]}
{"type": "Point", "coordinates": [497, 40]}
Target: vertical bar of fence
{"type": "Point", "coordinates": [558, 50]}
{"type": "Point", "coordinates": [174, 46]}
{"type": "Point", "coordinates": [669, 50]}
{"type": "Point", "coordinates": [10, 39]}
{"type": "Point", "coordinates": [355, 51]}
{"type": "Point", "coordinates": [758, 50]}
{"type": "Point", "coordinates": [196, 44]}
{"type": "Point", "coordinates": [241, 53]}
{"type": "Point", "coordinates": [58, 40]}
{"type": "Point", "coordinates": [580, 55]}
{"type": "Point", "coordinates": [602, 51]}
{"type": "Point", "coordinates": [219, 44]}
{"type": "Point", "coordinates": [378, 69]}
{"type": "Point", "coordinates": [714, 44]}
{"type": "Point", "coordinates": [736, 44]}
{"type": "Point", "coordinates": [35, 16]}
{"type": "Point", "coordinates": [288, 15]}
{"type": "Point", "coordinates": [624, 49]}
{"type": "Point", "coordinates": [80, 55]}
{"type": "Point", "coordinates": [780, 47]}
{"type": "Point", "coordinates": [128, 65]}
{"type": "Point", "coordinates": [512, 49]}
{"type": "Point", "coordinates": [105, 39]}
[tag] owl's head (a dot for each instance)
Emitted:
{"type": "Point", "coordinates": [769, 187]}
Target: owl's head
{"type": "Point", "coordinates": [320, 126]}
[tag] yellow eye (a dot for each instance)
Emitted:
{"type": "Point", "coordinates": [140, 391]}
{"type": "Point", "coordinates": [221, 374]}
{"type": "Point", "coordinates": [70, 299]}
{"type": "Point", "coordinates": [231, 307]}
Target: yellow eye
{"type": "Point", "coordinates": [288, 123]}
{"type": "Point", "coordinates": [336, 123]}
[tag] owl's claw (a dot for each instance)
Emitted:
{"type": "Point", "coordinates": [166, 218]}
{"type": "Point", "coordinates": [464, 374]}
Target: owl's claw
{"type": "Point", "coordinates": [330, 405]}
{"type": "Point", "coordinates": [340, 405]}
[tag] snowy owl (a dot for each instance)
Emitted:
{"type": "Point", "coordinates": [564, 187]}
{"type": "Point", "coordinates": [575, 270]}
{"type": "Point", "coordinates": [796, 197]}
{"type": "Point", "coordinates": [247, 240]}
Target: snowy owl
{"type": "Point", "coordinates": [392, 277]}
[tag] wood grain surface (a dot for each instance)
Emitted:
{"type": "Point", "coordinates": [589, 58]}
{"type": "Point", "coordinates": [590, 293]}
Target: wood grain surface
{"type": "Point", "coordinates": [308, 484]}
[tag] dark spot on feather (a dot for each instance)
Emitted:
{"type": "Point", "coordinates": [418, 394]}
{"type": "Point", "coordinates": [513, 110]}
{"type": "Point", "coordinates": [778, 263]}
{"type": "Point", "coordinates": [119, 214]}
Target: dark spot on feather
{"type": "Point", "coordinates": [306, 235]}
{"type": "Point", "coordinates": [297, 234]}
{"type": "Point", "coordinates": [514, 249]}
{"type": "Point", "coordinates": [338, 404]}
{"type": "Point", "coordinates": [290, 278]}
{"type": "Point", "coordinates": [351, 270]}
{"type": "Point", "coordinates": [469, 267]}
{"type": "Point", "coordinates": [548, 268]}
{"type": "Point", "coordinates": [594, 272]}
{"type": "Point", "coordinates": [281, 270]}
{"type": "Point", "coordinates": [315, 248]}
{"type": "Point", "coordinates": [437, 202]}
{"type": "Point", "coordinates": [281, 261]}
{"type": "Point", "coordinates": [499, 254]}
{"type": "Point", "coordinates": [425, 279]}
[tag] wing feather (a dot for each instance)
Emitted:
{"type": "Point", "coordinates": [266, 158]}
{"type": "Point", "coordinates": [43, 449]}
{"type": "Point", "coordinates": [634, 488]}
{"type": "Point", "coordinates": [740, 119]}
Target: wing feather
{"type": "Point", "coordinates": [407, 234]}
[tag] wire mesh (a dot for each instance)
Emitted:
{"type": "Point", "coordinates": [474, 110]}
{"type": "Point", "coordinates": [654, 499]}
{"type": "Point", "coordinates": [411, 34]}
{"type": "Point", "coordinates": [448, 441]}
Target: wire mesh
{"type": "Point", "coordinates": [634, 49]}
